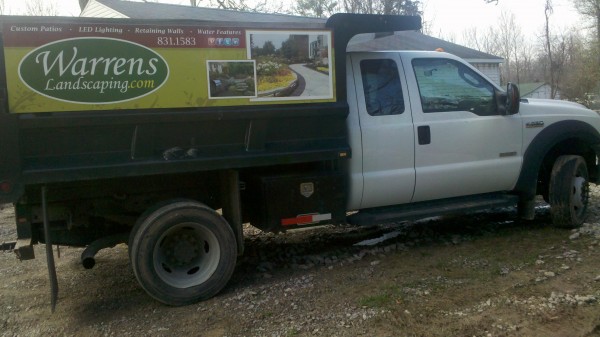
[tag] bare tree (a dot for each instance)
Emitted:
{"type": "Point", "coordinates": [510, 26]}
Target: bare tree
{"type": "Point", "coordinates": [515, 42]}
{"type": "Point", "coordinates": [316, 8]}
{"type": "Point", "coordinates": [572, 52]}
{"type": "Point", "coordinates": [397, 7]}
{"type": "Point", "coordinates": [506, 40]}
{"type": "Point", "coordinates": [263, 6]}
{"type": "Point", "coordinates": [2, 7]}
{"type": "Point", "coordinates": [268, 6]}
{"type": "Point", "coordinates": [223, 4]}
{"type": "Point", "coordinates": [590, 9]}
{"type": "Point", "coordinates": [426, 21]}
{"type": "Point", "coordinates": [526, 64]}
{"type": "Point", "coordinates": [548, 11]}
{"type": "Point", "coordinates": [472, 39]}
{"type": "Point", "coordinates": [446, 35]}
{"type": "Point", "coordinates": [484, 42]}
{"type": "Point", "coordinates": [40, 8]}
{"type": "Point", "coordinates": [521, 63]}
{"type": "Point", "coordinates": [236, 5]}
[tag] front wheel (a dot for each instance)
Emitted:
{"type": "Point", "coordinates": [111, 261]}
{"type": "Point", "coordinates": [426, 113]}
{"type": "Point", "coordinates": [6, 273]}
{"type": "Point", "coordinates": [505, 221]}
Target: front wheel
{"type": "Point", "coordinates": [182, 252]}
{"type": "Point", "coordinates": [569, 191]}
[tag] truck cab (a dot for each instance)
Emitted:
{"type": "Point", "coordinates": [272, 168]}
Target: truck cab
{"type": "Point", "coordinates": [427, 126]}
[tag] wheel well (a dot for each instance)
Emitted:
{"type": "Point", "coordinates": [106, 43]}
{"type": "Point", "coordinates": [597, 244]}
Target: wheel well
{"type": "Point", "coordinates": [571, 146]}
{"type": "Point", "coordinates": [561, 138]}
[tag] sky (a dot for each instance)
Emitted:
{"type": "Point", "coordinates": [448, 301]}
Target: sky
{"type": "Point", "coordinates": [447, 18]}
{"type": "Point", "coordinates": [451, 18]}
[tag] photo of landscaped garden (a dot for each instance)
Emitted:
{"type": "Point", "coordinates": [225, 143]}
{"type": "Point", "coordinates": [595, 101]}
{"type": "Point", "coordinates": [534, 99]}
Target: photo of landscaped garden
{"type": "Point", "coordinates": [231, 79]}
{"type": "Point", "coordinates": [291, 65]}
{"type": "Point", "coordinates": [274, 77]}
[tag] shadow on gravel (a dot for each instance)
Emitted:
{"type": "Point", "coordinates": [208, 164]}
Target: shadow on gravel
{"type": "Point", "coordinates": [274, 256]}
{"type": "Point", "coordinates": [108, 292]}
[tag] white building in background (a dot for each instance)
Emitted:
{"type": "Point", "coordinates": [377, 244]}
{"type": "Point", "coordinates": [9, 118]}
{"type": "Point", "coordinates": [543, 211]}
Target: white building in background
{"type": "Point", "coordinates": [537, 90]}
{"type": "Point", "coordinates": [486, 63]}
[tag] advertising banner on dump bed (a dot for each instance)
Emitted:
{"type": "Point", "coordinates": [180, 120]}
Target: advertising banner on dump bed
{"type": "Point", "coordinates": [87, 67]}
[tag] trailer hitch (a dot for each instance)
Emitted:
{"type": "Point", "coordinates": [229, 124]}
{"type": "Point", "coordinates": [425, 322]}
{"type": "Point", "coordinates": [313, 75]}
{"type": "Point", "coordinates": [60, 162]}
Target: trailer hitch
{"type": "Point", "coordinates": [7, 246]}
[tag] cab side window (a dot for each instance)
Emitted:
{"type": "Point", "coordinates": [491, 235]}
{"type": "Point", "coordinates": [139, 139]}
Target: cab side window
{"type": "Point", "coordinates": [448, 85]}
{"type": "Point", "coordinates": [382, 88]}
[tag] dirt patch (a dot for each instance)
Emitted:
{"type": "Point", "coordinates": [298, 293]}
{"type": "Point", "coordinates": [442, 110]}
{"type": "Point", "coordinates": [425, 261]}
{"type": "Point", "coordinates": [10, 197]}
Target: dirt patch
{"type": "Point", "coordinates": [483, 274]}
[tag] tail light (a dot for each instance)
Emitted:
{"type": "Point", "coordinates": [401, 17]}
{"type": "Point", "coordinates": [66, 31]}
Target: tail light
{"type": "Point", "coordinates": [5, 187]}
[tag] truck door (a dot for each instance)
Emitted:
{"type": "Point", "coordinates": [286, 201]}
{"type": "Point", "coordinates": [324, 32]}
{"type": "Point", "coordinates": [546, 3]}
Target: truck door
{"type": "Point", "coordinates": [381, 132]}
{"type": "Point", "coordinates": [463, 145]}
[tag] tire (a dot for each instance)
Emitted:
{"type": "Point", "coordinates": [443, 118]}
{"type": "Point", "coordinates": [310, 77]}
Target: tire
{"type": "Point", "coordinates": [568, 191]}
{"type": "Point", "coordinates": [182, 252]}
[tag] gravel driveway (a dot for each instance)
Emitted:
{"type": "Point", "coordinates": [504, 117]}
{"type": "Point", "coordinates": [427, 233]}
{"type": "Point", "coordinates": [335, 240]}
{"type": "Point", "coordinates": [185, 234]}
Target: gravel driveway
{"type": "Point", "coordinates": [482, 274]}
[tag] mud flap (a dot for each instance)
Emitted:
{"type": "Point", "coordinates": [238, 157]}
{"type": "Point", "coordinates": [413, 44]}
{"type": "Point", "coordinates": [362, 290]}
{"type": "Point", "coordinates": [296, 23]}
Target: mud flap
{"type": "Point", "coordinates": [49, 254]}
{"type": "Point", "coordinates": [526, 209]}
{"type": "Point", "coordinates": [230, 185]}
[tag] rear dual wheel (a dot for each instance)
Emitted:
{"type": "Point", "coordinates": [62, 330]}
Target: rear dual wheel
{"type": "Point", "coordinates": [568, 191]}
{"type": "Point", "coordinates": [182, 252]}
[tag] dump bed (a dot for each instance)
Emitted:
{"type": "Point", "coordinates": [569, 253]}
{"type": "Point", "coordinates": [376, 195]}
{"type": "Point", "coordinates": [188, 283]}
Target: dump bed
{"type": "Point", "coordinates": [85, 99]}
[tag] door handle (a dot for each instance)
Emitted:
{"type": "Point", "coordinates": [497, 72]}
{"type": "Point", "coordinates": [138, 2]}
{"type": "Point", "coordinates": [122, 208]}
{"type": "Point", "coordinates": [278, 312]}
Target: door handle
{"type": "Point", "coordinates": [424, 134]}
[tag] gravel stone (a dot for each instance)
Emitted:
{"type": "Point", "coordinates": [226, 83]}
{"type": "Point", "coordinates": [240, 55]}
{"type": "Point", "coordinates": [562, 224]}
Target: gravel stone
{"type": "Point", "coordinates": [282, 276]}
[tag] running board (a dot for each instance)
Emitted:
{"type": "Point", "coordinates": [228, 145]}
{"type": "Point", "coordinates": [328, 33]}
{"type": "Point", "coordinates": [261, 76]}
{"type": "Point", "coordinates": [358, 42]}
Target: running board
{"type": "Point", "coordinates": [425, 209]}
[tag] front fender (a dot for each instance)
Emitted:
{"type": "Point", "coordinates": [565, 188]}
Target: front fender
{"type": "Point", "coordinates": [544, 142]}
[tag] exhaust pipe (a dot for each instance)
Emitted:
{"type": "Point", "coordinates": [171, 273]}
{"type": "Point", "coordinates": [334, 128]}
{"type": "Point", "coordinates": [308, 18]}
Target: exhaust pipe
{"type": "Point", "coordinates": [88, 256]}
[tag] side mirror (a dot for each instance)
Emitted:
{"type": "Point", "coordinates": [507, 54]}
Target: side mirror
{"type": "Point", "coordinates": [513, 99]}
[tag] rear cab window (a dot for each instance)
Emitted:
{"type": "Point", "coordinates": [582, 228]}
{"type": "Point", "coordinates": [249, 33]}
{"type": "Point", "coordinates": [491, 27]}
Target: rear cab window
{"type": "Point", "coordinates": [382, 88]}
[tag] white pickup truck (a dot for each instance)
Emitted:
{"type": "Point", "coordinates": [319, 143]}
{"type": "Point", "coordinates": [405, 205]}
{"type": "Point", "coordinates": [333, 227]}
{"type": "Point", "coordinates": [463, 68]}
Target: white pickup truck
{"type": "Point", "coordinates": [428, 126]}
{"type": "Point", "coordinates": [131, 131]}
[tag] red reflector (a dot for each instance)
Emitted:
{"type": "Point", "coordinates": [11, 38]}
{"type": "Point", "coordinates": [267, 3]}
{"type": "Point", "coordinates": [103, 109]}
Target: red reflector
{"type": "Point", "coordinates": [5, 187]}
{"type": "Point", "coordinates": [297, 220]}
{"type": "Point", "coordinates": [306, 219]}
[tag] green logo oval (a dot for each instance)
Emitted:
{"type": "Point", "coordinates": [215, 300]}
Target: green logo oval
{"type": "Point", "coordinates": [93, 70]}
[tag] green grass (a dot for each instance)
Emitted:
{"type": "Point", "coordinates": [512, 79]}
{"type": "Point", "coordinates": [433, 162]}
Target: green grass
{"type": "Point", "coordinates": [293, 332]}
{"type": "Point", "coordinates": [388, 296]}
{"type": "Point", "coordinates": [267, 314]}
{"type": "Point", "coordinates": [377, 301]}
